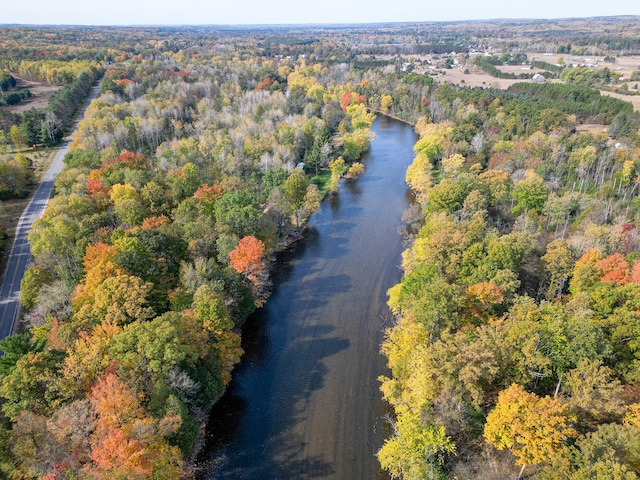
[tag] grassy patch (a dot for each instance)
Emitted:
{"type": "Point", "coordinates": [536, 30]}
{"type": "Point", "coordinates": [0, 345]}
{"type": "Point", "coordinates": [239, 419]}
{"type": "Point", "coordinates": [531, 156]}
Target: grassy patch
{"type": "Point", "coordinates": [322, 181]}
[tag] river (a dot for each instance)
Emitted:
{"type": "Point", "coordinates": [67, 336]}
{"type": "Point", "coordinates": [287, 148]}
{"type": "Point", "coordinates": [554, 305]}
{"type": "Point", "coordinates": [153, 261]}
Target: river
{"type": "Point", "coordinates": [305, 401]}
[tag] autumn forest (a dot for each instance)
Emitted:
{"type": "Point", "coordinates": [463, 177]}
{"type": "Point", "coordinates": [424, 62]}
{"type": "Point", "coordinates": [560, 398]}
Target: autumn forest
{"type": "Point", "coordinates": [514, 348]}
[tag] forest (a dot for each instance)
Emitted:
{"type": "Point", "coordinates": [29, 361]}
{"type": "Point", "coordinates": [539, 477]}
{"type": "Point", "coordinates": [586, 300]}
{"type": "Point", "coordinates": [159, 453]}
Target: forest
{"type": "Point", "coordinates": [516, 335]}
{"type": "Point", "coordinates": [181, 182]}
{"type": "Point", "coordinates": [514, 343]}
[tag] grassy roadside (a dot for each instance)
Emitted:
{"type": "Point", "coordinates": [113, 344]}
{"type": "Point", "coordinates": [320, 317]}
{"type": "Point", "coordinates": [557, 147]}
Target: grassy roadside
{"type": "Point", "coordinates": [11, 210]}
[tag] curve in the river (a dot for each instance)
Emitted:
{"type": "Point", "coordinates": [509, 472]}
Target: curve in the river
{"type": "Point", "coordinates": [305, 401]}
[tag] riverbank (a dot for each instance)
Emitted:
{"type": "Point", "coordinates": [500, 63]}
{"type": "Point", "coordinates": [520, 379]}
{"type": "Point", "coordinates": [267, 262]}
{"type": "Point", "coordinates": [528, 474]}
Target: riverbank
{"type": "Point", "coordinates": [398, 119]}
{"type": "Point", "coordinates": [290, 241]}
{"type": "Point", "coordinates": [305, 399]}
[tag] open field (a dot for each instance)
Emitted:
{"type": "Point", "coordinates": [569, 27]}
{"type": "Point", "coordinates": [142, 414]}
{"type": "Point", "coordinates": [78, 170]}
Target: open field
{"type": "Point", "coordinates": [41, 92]}
{"type": "Point", "coordinates": [634, 99]}
{"type": "Point", "coordinates": [594, 128]}
{"type": "Point", "coordinates": [476, 77]}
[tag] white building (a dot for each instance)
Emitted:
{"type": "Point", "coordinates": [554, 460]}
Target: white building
{"type": "Point", "coordinates": [537, 78]}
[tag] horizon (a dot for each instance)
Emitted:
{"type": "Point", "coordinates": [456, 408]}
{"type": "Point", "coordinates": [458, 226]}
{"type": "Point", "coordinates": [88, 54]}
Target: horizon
{"type": "Point", "coordinates": [322, 24]}
{"type": "Point", "coordinates": [247, 13]}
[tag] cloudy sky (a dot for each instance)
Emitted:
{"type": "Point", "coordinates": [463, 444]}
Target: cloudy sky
{"type": "Point", "coordinates": [201, 12]}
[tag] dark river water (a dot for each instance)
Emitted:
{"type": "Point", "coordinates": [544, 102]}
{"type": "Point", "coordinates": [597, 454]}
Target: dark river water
{"type": "Point", "coordinates": [305, 401]}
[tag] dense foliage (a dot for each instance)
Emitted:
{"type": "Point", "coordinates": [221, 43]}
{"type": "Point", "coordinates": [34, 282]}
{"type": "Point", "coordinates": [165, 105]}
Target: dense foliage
{"type": "Point", "coordinates": [517, 310]}
{"type": "Point", "coordinates": [182, 179]}
{"type": "Point", "coordinates": [207, 146]}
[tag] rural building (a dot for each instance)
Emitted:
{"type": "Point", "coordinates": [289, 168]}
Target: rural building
{"type": "Point", "coordinates": [537, 78]}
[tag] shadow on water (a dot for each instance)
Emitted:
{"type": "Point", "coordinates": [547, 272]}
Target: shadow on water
{"type": "Point", "coordinates": [284, 456]}
{"type": "Point", "coordinates": [352, 187]}
{"type": "Point", "coordinates": [314, 250]}
{"type": "Point", "coordinates": [304, 402]}
{"type": "Point", "coordinates": [334, 203]}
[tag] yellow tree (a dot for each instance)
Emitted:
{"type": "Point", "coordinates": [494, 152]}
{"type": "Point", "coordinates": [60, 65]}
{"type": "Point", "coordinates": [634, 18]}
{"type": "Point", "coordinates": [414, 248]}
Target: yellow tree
{"type": "Point", "coordinates": [17, 137]}
{"type": "Point", "coordinates": [633, 415]}
{"type": "Point", "coordinates": [419, 177]}
{"type": "Point", "coordinates": [417, 450]}
{"type": "Point", "coordinates": [337, 168]}
{"type": "Point", "coordinates": [119, 300]}
{"type": "Point", "coordinates": [385, 103]}
{"type": "Point", "coordinates": [531, 427]}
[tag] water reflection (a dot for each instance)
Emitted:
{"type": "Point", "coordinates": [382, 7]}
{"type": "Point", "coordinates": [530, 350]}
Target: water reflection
{"type": "Point", "coordinates": [305, 401]}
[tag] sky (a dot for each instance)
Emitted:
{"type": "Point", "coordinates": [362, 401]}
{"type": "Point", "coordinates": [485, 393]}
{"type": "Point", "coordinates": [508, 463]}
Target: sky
{"type": "Point", "coordinates": [252, 12]}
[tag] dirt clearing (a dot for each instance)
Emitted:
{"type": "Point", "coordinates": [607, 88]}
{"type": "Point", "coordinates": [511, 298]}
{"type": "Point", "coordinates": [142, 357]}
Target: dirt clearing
{"type": "Point", "coordinates": [41, 93]}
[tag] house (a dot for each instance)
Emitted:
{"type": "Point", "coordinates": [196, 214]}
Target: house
{"type": "Point", "coordinates": [537, 78]}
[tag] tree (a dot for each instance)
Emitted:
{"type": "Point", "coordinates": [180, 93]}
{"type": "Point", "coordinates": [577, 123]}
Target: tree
{"type": "Point", "coordinates": [355, 144]}
{"type": "Point", "coordinates": [50, 132]}
{"type": "Point", "coordinates": [355, 170]}
{"type": "Point", "coordinates": [385, 103]}
{"type": "Point", "coordinates": [419, 177]}
{"type": "Point", "coordinates": [610, 452]}
{"type": "Point", "coordinates": [17, 137]}
{"type": "Point", "coordinates": [295, 189]}
{"type": "Point", "coordinates": [87, 358]}
{"type": "Point", "coordinates": [211, 311]}
{"type": "Point", "coordinates": [248, 260]}
{"type": "Point", "coordinates": [14, 347]}
{"type": "Point", "coordinates": [236, 212]}
{"type": "Point", "coordinates": [154, 348]}
{"type": "Point", "coordinates": [312, 199]}
{"type": "Point", "coordinates": [483, 297]}
{"type": "Point", "coordinates": [593, 393]}
{"type": "Point", "coordinates": [448, 196]}
{"type": "Point", "coordinates": [29, 127]}
{"type": "Point", "coordinates": [585, 273]}
{"type": "Point", "coordinates": [120, 300]}
{"type": "Point", "coordinates": [558, 262]}
{"type": "Point", "coordinates": [247, 256]}
{"type": "Point", "coordinates": [183, 182]}
{"type": "Point", "coordinates": [28, 386]}
{"type": "Point", "coordinates": [3, 141]}
{"type": "Point", "coordinates": [31, 284]}
{"type": "Point", "coordinates": [127, 443]}
{"type": "Point", "coordinates": [71, 427]}
{"type": "Point", "coordinates": [55, 235]}
{"type": "Point", "coordinates": [209, 195]}
{"type": "Point", "coordinates": [32, 450]}
{"type": "Point", "coordinates": [614, 268]}
{"type": "Point", "coordinates": [337, 168]}
{"type": "Point", "coordinates": [432, 141]}
{"type": "Point", "coordinates": [417, 450]}
{"type": "Point", "coordinates": [530, 193]}
{"type": "Point", "coordinates": [99, 265]}
{"type": "Point", "coordinates": [533, 428]}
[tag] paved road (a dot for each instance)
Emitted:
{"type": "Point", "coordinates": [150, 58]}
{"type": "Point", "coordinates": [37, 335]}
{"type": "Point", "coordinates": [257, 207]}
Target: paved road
{"type": "Point", "coordinates": [21, 252]}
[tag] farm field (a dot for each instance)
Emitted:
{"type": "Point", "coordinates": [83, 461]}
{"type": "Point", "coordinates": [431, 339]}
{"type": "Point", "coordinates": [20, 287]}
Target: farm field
{"type": "Point", "coordinates": [41, 92]}
{"type": "Point", "coordinates": [476, 77]}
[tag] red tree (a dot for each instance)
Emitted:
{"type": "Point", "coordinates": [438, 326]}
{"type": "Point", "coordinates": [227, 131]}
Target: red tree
{"type": "Point", "coordinates": [248, 256]}
{"type": "Point", "coordinates": [248, 259]}
{"type": "Point", "coordinates": [615, 269]}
